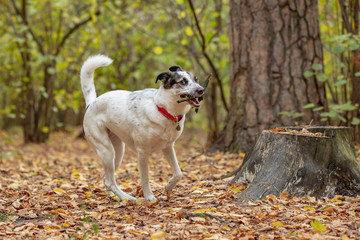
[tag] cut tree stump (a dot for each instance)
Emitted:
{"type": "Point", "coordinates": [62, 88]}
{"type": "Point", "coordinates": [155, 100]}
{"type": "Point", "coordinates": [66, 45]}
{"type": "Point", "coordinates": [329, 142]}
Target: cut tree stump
{"type": "Point", "coordinates": [303, 161]}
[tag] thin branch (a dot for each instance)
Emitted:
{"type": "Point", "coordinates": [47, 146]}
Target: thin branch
{"type": "Point", "coordinates": [345, 16]}
{"type": "Point", "coordinates": [203, 41]}
{"type": "Point", "coordinates": [207, 57]}
{"type": "Point", "coordinates": [25, 21]}
{"type": "Point", "coordinates": [356, 17]}
{"type": "Point", "coordinates": [59, 26]}
{"type": "Point", "coordinates": [206, 215]}
{"type": "Point", "coordinates": [71, 31]}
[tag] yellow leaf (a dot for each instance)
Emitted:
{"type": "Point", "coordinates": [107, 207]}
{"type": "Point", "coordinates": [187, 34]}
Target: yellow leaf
{"type": "Point", "coordinates": [277, 224]}
{"type": "Point", "coordinates": [158, 235]}
{"type": "Point", "coordinates": [189, 31]}
{"type": "Point", "coordinates": [352, 213]}
{"type": "Point", "coordinates": [51, 227]}
{"type": "Point", "coordinates": [88, 193]}
{"type": "Point", "coordinates": [204, 210]}
{"type": "Point", "coordinates": [126, 185]}
{"type": "Point", "coordinates": [235, 189]}
{"type": "Point", "coordinates": [217, 156]}
{"type": "Point", "coordinates": [181, 15]}
{"type": "Point", "coordinates": [318, 226]}
{"type": "Point", "coordinates": [344, 237]}
{"type": "Point", "coordinates": [59, 190]}
{"type": "Point", "coordinates": [60, 210]}
{"type": "Point", "coordinates": [179, 2]}
{"type": "Point", "coordinates": [110, 212]}
{"type": "Point", "coordinates": [152, 203]}
{"type": "Point", "coordinates": [207, 234]}
{"type": "Point", "coordinates": [75, 173]}
{"type": "Point", "coordinates": [158, 50]}
{"type": "Point", "coordinates": [336, 199]}
{"type": "Point", "coordinates": [242, 154]}
{"type": "Point", "coordinates": [308, 208]}
{"type": "Point", "coordinates": [115, 197]}
{"type": "Point", "coordinates": [65, 224]}
{"type": "Point", "coordinates": [226, 228]}
{"type": "Point", "coordinates": [45, 129]}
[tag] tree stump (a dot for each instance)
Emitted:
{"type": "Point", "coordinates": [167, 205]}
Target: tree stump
{"type": "Point", "coordinates": [303, 161]}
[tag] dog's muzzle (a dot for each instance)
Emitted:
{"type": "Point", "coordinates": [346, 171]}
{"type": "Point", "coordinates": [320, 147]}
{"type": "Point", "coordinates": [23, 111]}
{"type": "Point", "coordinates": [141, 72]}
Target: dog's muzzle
{"type": "Point", "coordinates": [194, 100]}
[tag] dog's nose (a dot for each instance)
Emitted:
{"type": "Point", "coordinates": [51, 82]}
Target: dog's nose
{"type": "Point", "coordinates": [200, 91]}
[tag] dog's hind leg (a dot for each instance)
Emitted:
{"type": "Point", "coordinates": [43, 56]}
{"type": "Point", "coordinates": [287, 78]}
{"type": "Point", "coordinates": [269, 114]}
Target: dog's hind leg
{"type": "Point", "coordinates": [119, 147]}
{"type": "Point", "coordinates": [106, 152]}
{"type": "Point", "coordinates": [170, 156]}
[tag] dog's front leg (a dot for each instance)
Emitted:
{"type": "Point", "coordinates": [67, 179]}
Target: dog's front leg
{"type": "Point", "coordinates": [170, 156]}
{"type": "Point", "coordinates": [144, 176]}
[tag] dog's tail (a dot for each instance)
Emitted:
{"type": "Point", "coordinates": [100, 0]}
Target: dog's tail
{"type": "Point", "coordinates": [87, 75]}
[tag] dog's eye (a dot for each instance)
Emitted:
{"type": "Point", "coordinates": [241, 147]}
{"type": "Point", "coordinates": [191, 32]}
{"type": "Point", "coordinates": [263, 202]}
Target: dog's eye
{"type": "Point", "coordinates": [196, 79]}
{"type": "Point", "coordinates": [184, 82]}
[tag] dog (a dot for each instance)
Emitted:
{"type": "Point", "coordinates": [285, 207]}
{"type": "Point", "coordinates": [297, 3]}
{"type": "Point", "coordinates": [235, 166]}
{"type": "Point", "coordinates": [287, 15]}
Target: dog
{"type": "Point", "coordinates": [147, 120]}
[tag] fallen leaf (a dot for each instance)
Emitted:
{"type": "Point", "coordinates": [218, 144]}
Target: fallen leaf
{"type": "Point", "coordinates": [158, 235]}
{"type": "Point", "coordinates": [225, 228]}
{"type": "Point", "coordinates": [318, 226]}
{"type": "Point", "coordinates": [308, 208]}
{"type": "Point", "coordinates": [58, 190]}
{"type": "Point", "coordinates": [277, 224]}
{"type": "Point", "coordinates": [205, 210]}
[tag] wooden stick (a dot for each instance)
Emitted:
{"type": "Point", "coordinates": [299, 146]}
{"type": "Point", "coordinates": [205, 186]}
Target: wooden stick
{"type": "Point", "coordinates": [206, 83]}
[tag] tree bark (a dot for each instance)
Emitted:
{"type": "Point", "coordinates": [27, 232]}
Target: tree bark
{"type": "Point", "coordinates": [272, 43]}
{"type": "Point", "coordinates": [301, 163]}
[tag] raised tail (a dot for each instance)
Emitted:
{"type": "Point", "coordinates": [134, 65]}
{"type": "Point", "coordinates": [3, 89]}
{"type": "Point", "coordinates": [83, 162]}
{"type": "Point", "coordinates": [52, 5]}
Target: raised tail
{"type": "Point", "coordinates": [87, 75]}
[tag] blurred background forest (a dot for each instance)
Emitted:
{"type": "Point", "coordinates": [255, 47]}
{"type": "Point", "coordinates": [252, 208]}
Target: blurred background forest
{"type": "Point", "coordinates": [44, 43]}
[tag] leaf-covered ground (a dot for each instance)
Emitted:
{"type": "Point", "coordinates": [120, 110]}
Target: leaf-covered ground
{"type": "Point", "coordinates": [55, 190]}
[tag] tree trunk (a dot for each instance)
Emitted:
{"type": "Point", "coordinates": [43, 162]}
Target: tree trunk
{"type": "Point", "coordinates": [272, 43]}
{"type": "Point", "coordinates": [317, 161]}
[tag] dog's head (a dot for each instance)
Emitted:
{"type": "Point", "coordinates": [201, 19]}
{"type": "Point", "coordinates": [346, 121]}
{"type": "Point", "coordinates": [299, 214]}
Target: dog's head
{"type": "Point", "coordinates": [182, 83]}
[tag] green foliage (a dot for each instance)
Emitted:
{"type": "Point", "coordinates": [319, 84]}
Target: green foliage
{"type": "Point", "coordinates": [291, 114]}
{"type": "Point", "coordinates": [338, 71]}
{"type": "Point", "coordinates": [143, 37]}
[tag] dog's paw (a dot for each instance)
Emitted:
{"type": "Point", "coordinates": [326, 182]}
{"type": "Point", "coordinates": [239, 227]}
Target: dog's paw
{"type": "Point", "coordinates": [168, 188]}
{"type": "Point", "coordinates": [150, 198]}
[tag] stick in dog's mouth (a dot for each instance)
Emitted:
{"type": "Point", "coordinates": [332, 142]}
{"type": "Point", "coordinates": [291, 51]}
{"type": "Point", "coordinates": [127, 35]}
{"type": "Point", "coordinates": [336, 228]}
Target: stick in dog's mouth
{"type": "Point", "coordinates": [195, 101]}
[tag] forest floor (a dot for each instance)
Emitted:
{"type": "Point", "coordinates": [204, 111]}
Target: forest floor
{"type": "Point", "coordinates": [55, 191]}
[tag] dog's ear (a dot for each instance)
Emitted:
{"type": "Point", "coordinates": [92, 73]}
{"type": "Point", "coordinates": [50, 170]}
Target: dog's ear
{"type": "Point", "coordinates": [165, 78]}
{"type": "Point", "coordinates": [176, 68]}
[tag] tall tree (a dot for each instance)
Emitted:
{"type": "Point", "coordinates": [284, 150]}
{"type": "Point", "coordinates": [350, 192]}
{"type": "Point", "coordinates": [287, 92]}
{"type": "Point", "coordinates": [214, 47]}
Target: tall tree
{"type": "Point", "coordinates": [272, 43]}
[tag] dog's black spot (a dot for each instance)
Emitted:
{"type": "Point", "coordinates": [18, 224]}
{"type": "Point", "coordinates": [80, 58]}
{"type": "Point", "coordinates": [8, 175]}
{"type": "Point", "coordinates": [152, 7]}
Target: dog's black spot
{"type": "Point", "coordinates": [164, 76]}
{"type": "Point", "coordinates": [176, 68]}
{"type": "Point", "coordinates": [172, 81]}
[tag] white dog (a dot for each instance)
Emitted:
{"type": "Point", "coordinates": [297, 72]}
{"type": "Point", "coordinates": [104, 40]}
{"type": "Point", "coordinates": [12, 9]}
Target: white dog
{"type": "Point", "coordinates": [148, 120]}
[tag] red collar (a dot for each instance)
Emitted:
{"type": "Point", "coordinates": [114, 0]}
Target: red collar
{"type": "Point", "coordinates": [164, 112]}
